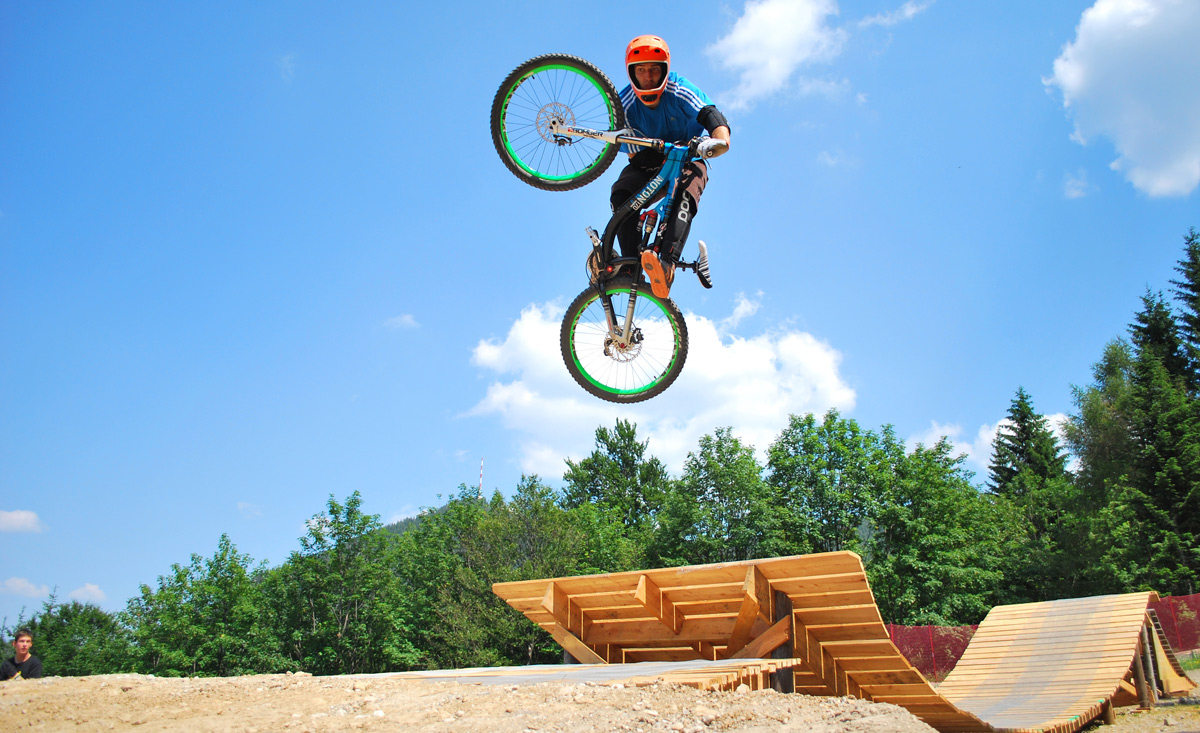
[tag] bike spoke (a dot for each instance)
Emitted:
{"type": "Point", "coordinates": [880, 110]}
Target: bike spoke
{"type": "Point", "coordinates": [625, 368]}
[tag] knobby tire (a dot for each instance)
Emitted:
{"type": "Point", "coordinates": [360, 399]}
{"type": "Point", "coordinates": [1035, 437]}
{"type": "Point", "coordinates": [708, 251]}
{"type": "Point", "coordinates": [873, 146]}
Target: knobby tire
{"type": "Point", "coordinates": [624, 376]}
{"type": "Point", "coordinates": [555, 86]}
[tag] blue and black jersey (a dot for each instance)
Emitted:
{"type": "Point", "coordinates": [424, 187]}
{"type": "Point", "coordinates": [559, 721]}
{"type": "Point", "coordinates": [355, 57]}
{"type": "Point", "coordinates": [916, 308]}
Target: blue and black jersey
{"type": "Point", "coordinates": [675, 117]}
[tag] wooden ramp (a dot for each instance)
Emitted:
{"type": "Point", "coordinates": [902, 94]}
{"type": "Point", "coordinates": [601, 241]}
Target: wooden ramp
{"type": "Point", "coordinates": [1058, 665]}
{"type": "Point", "coordinates": [817, 612]}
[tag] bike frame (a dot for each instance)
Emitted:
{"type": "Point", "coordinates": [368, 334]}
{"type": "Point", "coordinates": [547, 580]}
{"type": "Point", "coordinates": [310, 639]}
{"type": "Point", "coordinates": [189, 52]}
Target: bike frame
{"type": "Point", "coordinates": [677, 156]}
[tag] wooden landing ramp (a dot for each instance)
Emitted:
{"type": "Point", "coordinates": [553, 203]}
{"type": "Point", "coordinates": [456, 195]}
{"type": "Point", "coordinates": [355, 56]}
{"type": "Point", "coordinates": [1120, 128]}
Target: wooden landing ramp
{"type": "Point", "coordinates": [1056, 666]}
{"type": "Point", "coordinates": [817, 612]}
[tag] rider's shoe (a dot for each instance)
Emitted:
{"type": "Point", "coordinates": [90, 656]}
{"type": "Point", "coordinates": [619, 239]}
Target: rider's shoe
{"type": "Point", "coordinates": [660, 274]}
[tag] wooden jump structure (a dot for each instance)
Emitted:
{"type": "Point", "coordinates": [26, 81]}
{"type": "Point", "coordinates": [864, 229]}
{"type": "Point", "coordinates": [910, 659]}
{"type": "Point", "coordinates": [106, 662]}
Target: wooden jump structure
{"type": "Point", "coordinates": [811, 625]}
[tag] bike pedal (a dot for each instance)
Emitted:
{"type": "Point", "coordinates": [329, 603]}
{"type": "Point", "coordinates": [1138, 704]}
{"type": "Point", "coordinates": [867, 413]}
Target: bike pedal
{"type": "Point", "coordinates": [702, 266]}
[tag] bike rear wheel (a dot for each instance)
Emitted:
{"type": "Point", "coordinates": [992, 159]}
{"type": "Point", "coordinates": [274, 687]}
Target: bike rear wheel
{"type": "Point", "coordinates": [566, 88]}
{"type": "Point", "coordinates": [624, 372]}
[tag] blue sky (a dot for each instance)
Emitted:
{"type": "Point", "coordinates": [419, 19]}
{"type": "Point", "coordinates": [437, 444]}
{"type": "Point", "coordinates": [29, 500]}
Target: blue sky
{"type": "Point", "coordinates": [252, 255]}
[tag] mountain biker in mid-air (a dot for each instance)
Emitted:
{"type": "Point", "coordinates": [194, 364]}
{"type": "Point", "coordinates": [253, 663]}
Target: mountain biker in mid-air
{"type": "Point", "coordinates": [660, 103]}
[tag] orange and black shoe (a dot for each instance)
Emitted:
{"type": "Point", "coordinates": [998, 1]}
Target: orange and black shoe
{"type": "Point", "coordinates": [660, 274]}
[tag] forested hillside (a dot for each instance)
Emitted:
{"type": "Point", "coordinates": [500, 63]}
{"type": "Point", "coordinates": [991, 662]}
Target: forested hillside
{"type": "Point", "coordinates": [1114, 509]}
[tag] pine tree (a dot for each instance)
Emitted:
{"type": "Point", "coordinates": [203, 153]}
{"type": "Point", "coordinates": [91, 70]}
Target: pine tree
{"type": "Point", "coordinates": [1024, 446]}
{"type": "Point", "coordinates": [1187, 292]}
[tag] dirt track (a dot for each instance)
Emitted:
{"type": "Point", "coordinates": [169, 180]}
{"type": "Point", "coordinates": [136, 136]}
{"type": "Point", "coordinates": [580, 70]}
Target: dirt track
{"type": "Point", "coordinates": [304, 703]}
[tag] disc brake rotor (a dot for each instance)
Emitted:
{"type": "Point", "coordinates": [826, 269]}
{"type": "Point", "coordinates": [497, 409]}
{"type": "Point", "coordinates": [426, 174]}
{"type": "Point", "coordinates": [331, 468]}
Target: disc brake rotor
{"type": "Point", "coordinates": [555, 111]}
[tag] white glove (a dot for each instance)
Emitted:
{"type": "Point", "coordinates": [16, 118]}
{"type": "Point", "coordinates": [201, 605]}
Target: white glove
{"type": "Point", "coordinates": [711, 147]}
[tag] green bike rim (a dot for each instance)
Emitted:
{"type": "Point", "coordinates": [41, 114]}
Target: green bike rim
{"type": "Point", "coordinates": [512, 154]}
{"type": "Point", "coordinates": [667, 370]}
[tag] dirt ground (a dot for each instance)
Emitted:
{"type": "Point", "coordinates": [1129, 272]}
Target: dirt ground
{"type": "Point", "coordinates": [300, 702]}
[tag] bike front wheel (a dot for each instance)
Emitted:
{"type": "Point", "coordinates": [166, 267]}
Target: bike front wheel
{"type": "Point", "coordinates": [562, 88]}
{"type": "Point", "coordinates": [617, 369]}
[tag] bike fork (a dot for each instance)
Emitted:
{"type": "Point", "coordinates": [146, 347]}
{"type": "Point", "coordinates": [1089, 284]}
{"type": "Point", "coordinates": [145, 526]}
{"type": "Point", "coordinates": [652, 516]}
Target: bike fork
{"type": "Point", "coordinates": [623, 334]}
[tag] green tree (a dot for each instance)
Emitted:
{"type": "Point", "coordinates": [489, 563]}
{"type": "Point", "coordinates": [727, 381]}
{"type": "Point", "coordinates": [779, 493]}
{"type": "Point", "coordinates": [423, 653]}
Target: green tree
{"type": "Point", "coordinates": [937, 548]}
{"type": "Point", "coordinates": [618, 476]}
{"type": "Point", "coordinates": [453, 556]}
{"type": "Point", "coordinates": [1025, 452]}
{"type": "Point", "coordinates": [1100, 433]}
{"type": "Point", "coordinates": [721, 509]}
{"type": "Point", "coordinates": [339, 597]}
{"type": "Point", "coordinates": [831, 478]}
{"type": "Point", "coordinates": [1187, 294]}
{"type": "Point", "coordinates": [1028, 471]}
{"type": "Point", "coordinates": [206, 618]}
{"type": "Point", "coordinates": [75, 639]}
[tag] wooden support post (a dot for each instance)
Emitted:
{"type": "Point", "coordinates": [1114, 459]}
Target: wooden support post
{"type": "Point", "coordinates": [1139, 679]}
{"type": "Point", "coordinates": [756, 603]}
{"type": "Point", "coordinates": [1148, 663]}
{"type": "Point", "coordinates": [1109, 716]}
{"type": "Point", "coordinates": [781, 608]}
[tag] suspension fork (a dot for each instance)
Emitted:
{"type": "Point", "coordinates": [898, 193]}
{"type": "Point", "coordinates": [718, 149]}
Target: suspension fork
{"type": "Point", "coordinates": [622, 333]}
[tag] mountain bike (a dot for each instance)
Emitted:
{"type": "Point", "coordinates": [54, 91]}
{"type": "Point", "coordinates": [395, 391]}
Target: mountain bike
{"type": "Point", "coordinates": [558, 123]}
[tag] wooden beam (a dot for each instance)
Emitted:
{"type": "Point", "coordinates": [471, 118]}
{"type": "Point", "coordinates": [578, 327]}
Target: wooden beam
{"type": "Point", "coordinates": [756, 604]}
{"type": "Point", "coordinates": [566, 611]}
{"type": "Point", "coordinates": [658, 605]}
{"type": "Point", "coordinates": [571, 626]}
{"type": "Point", "coordinates": [768, 641]}
{"type": "Point", "coordinates": [706, 650]}
{"type": "Point", "coordinates": [574, 646]}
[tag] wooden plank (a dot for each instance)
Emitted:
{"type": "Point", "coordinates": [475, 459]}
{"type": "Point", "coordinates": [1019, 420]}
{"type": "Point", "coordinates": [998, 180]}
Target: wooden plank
{"type": "Point", "coordinates": [874, 664]}
{"type": "Point", "coordinates": [829, 599]}
{"type": "Point", "coordinates": [661, 655]}
{"type": "Point", "coordinates": [838, 583]}
{"type": "Point", "coordinates": [865, 613]}
{"type": "Point", "coordinates": [715, 630]}
{"type": "Point", "coordinates": [850, 632]}
{"type": "Point", "coordinates": [726, 607]}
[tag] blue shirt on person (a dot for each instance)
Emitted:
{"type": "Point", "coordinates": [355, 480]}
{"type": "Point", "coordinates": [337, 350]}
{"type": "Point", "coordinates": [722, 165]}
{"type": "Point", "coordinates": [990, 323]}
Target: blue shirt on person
{"type": "Point", "coordinates": [674, 119]}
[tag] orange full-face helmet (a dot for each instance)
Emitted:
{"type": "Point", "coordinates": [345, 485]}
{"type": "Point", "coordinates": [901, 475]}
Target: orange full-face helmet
{"type": "Point", "coordinates": [648, 50]}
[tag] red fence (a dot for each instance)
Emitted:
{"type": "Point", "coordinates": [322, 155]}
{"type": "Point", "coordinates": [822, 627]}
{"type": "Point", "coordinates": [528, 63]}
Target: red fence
{"type": "Point", "coordinates": [1178, 616]}
{"type": "Point", "coordinates": [934, 650]}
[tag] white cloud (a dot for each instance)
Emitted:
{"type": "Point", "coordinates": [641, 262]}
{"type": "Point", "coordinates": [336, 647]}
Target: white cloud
{"type": "Point", "coordinates": [1131, 76]}
{"type": "Point", "coordinates": [772, 40]}
{"type": "Point", "coordinates": [404, 320]}
{"type": "Point", "coordinates": [836, 159]}
{"type": "Point", "coordinates": [743, 309]}
{"type": "Point", "coordinates": [90, 592]}
{"type": "Point", "coordinates": [287, 67]}
{"type": "Point", "coordinates": [248, 510]}
{"type": "Point", "coordinates": [1075, 186]}
{"type": "Point", "coordinates": [22, 587]}
{"type": "Point", "coordinates": [905, 12]}
{"type": "Point", "coordinates": [20, 520]}
{"type": "Point", "coordinates": [749, 384]}
{"type": "Point", "coordinates": [978, 449]}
